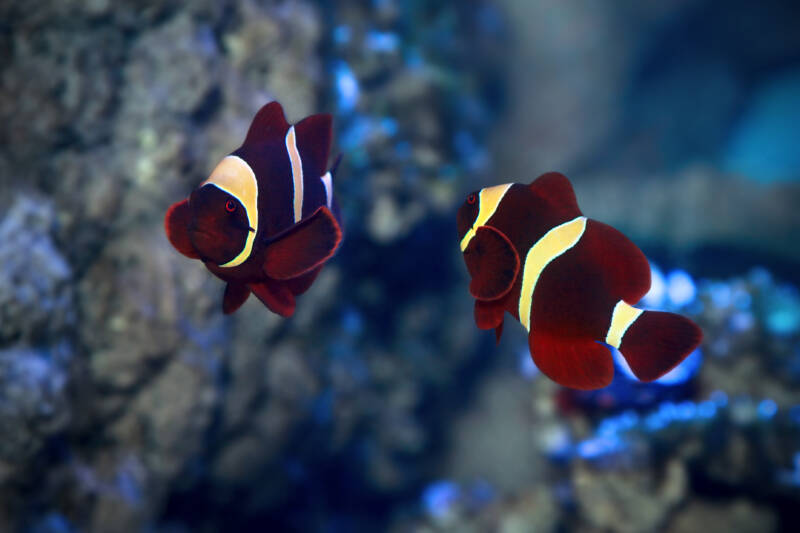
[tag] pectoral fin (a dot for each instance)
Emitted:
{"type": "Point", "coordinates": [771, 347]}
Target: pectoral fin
{"type": "Point", "coordinates": [275, 295]}
{"type": "Point", "coordinates": [303, 247]}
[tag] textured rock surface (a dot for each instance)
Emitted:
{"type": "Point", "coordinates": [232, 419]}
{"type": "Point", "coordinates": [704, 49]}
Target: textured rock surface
{"type": "Point", "coordinates": [131, 400]}
{"type": "Point", "coordinates": [36, 299]}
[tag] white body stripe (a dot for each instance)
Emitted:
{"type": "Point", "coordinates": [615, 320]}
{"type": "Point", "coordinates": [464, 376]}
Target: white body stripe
{"type": "Point", "coordinates": [552, 244]}
{"type": "Point", "coordinates": [297, 173]}
{"type": "Point", "coordinates": [327, 181]}
{"type": "Point", "coordinates": [622, 318]}
{"type": "Point", "coordinates": [234, 176]}
{"type": "Point", "coordinates": [489, 200]}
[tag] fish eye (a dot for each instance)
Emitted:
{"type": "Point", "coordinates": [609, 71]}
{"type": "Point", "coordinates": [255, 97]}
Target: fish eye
{"type": "Point", "coordinates": [230, 206]}
{"type": "Point", "coordinates": [471, 199]}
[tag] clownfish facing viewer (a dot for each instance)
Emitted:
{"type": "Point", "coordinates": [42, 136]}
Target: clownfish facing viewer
{"type": "Point", "coordinates": [265, 220]}
{"type": "Point", "coordinates": [571, 281]}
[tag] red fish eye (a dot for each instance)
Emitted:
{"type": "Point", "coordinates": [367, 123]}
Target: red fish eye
{"type": "Point", "coordinates": [471, 199]}
{"type": "Point", "coordinates": [230, 205]}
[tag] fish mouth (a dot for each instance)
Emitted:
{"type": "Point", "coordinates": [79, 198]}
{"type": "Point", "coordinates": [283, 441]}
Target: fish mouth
{"type": "Point", "coordinates": [243, 227]}
{"type": "Point", "coordinates": [201, 238]}
{"type": "Point", "coordinates": [194, 231]}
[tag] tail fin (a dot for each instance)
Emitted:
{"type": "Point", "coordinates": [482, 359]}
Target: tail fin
{"type": "Point", "coordinates": [656, 342]}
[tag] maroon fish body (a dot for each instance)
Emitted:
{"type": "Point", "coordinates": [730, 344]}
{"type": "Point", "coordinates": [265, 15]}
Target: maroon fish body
{"type": "Point", "coordinates": [265, 220]}
{"type": "Point", "coordinates": [571, 281]}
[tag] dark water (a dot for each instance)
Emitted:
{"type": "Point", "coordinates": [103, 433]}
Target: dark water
{"type": "Point", "coordinates": [128, 402]}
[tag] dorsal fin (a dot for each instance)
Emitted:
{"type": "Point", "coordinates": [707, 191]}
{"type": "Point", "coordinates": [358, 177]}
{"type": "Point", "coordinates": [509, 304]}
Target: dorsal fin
{"type": "Point", "coordinates": [269, 124]}
{"type": "Point", "coordinates": [314, 135]}
{"type": "Point", "coordinates": [556, 189]}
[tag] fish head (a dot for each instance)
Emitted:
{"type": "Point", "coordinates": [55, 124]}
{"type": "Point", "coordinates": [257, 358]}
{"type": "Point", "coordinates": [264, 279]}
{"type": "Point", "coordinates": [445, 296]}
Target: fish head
{"type": "Point", "coordinates": [218, 226]}
{"type": "Point", "coordinates": [467, 214]}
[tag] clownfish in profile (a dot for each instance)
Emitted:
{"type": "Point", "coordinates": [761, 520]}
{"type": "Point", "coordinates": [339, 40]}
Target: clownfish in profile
{"type": "Point", "coordinates": [265, 220]}
{"type": "Point", "coordinates": [571, 281]}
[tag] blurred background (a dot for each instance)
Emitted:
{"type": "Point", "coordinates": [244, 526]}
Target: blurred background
{"type": "Point", "coordinates": [128, 403]}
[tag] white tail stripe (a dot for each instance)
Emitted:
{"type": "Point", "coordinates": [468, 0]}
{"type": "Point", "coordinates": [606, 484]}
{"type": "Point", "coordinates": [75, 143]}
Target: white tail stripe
{"type": "Point", "coordinates": [554, 243]}
{"type": "Point", "coordinates": [297, 173]}
{"type": "Point", "coordinates": [621, 319]}
{"type": "Point", "coordinates": [327, 181]}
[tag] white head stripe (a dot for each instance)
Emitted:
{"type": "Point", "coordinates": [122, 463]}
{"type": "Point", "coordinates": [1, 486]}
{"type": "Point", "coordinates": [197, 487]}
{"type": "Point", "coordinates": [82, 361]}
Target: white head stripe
{"type": "Point", "coordinates": [297, 173]}
{"type": "Point", "coordinates": [328, 183]}
{"type": "Point", "coordinates": [554, 243]}
{"type": "Point", "coordinates": [488, 201]}
{"type": "Point", "coordinates": [234, 176]}
{"type": "Point", "coordinates": [621, 319]}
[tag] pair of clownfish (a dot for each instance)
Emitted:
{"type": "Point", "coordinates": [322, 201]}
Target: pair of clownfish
{"type": "Point", "coordinates": [266, 221]}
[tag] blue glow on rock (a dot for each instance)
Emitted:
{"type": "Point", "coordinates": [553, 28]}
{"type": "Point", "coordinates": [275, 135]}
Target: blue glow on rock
{"type": "Point", "coordinates": [658, 288]}
{"type": "Point", "coordinates": [619, 433]}
{"type": "Point", "coordinates": [783, 312]}
{"type": "Point", "coordinates": [681, 289]}
{"type": "Point", "coordinates": [481, 492]}
{"type": "Point", "coordinates": [527, 368]}
{"type": "Point", "coordinates": [341, 34]}
{"type": "Point", "coordinates": [600, 446]}
{"type": "Point", "coordinates": [439, 497]}
{"type": "Point", "coordinates": [677, 376]}
{"type": "Point", "coordinates": [720, 398]}
{"type": "Point", "coordinates": [684, 371]}
{"type": "Point", "coordinates": [382, 41]}
{"type": "Point", "coordinates": [707, 409]}
{"type": "Point", "coordinates": [347, 89]}
{"type": "Point", "coordinates": [742, 321]}
{"type": "Point", "coordinates": [721, 294]}
{"type": "Point", "coordinates": [53, 523]}
{"type": "Point", "coordinates": [767, 408]}
{"type": "Point", "coordinates": [389, 126]}
{"type": "Point", "coordinates": [622, 364]}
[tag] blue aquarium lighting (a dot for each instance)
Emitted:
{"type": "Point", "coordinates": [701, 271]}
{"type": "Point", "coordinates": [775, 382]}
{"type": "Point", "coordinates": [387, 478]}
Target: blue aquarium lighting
{"type": "Point", "coordinates": [684, 371]}
{"type": "Point", "coordinates": [527, 368]}
{"type": "Point", "coordinates": [658, 288]}
{"type": "Point", "coordinates": [382, 41]}
{"type": "Point", "coordinates": [783, 311]}
{"type": "Point", "coordinates": [439, 497]}
{"type": "Point", "coordinates": [597, 447]}
{"type": "Point", "coordinates": [767, 408]}
{"type": "Point", "coordinates": [677, 376]}
{"type": "Point", "coordinates": [681, 289]}
{"type": "Point", "coordinates": [342, 34]}
{"type": "Point", "coordinates": [347, 88]}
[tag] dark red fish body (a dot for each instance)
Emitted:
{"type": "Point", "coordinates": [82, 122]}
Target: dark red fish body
{"type": "Point", "coordinates": [571, 281]}
{"type": "Point", "coordinates": [265, 220]}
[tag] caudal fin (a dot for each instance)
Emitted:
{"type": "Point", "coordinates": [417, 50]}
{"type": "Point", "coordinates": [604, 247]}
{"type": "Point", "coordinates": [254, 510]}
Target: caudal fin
{"type": "Point", "coordinates": [656, 342]}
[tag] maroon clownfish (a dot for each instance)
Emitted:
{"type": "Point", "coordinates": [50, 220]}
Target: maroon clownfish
{"type": "Point", "coordinates": [265, 220]}
{"type": "Point", "coordinates": [571, 281]}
